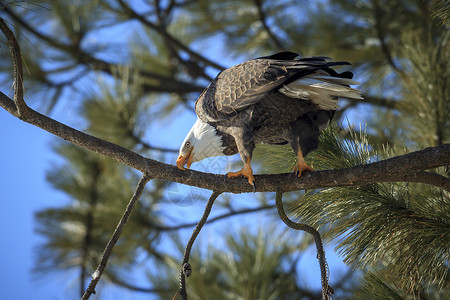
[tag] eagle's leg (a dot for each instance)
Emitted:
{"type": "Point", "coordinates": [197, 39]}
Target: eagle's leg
{"type": "Point", "coordinates": [304, 139]}
{"type": "Point", "coordinates": [245, 142]}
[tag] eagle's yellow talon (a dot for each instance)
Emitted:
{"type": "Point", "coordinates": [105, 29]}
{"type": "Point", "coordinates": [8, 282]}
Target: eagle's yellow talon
{"type": "Point", "coordinates": [300, 167]}
{"type": "Point", "coordinates": [246, 171]}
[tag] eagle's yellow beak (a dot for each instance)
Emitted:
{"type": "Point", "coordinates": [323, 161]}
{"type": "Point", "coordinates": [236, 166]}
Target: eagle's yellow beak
{"type": "Point", "coordinates": [185, 160]}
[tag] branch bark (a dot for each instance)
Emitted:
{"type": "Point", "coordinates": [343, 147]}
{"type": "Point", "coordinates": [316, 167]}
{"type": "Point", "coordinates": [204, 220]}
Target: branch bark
{"type": "Point", "coordinates": [401, 168]}
{"type": "Point", "coordinates": [404, 168]}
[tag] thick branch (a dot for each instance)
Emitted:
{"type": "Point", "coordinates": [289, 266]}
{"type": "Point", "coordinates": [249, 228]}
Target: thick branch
{"type": "Point", "coordinates": [401, 168]}
{"type": "Point", "coordinates": [115, 237]}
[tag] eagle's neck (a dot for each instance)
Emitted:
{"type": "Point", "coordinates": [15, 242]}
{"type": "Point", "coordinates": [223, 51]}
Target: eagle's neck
{"type": "Point", "coordinates": [207, 142]}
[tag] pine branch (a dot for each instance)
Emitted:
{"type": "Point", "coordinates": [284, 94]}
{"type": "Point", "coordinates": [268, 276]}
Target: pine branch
{"type": "Point", "coordinates": [185, 266]}
{"type": "Point", "coordinates": [376, 101]}
{"type": "Point", "coordinates": [327, 290]}
{"type": "Point", "coordinates": [378, 15]}
{"type": "Point", "coordinates": [402, 168]}
{"type": "Point", "coordinates": [115, 237]}
{"type": "Point", "coordinates": [148, 146]}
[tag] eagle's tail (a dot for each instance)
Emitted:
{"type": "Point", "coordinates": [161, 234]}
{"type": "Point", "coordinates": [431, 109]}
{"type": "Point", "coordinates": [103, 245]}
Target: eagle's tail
{"type": "Point", "coordinates": [321, 85]}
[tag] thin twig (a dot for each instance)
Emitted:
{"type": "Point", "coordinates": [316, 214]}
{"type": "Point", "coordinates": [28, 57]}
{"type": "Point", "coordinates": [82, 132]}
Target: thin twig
{"type": "Point", "coordinates": [326, 289]}
{"type": "Point", "coordinates": [115, 236]}
{"type": "Point", "coordinates": [148, 146]}
{"type": "Point", "coordinates": [185, 267]}
{"type": "Point", "coordinates": [212, 220]}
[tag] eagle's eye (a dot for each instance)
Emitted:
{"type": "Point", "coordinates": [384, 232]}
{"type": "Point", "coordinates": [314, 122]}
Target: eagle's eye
{"type": "Point", "coordinates": [187, 145]}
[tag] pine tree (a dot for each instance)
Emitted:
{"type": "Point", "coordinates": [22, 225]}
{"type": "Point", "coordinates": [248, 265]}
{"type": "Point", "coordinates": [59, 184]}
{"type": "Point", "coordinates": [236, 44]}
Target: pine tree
{"type": "Point", "coordinates": [125, 68]}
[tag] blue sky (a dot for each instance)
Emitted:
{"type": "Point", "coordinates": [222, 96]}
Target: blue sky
{"type": "Point", "coordinates": [24, 156]}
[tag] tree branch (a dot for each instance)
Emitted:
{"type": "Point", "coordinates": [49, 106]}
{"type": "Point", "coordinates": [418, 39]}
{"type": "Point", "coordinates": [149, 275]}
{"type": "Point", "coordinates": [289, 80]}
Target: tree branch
{"type": "Point", "coordinates": [401, 168]}
{"type": "Point", "coordinates": [185, 267]}
{"type": "Point", "coordinates": [135, 288]}
{"type": "Point", "coordinates": [21, 106]}
{"type": "Point", "coordinates": [326, 289]}
{"type": "Point", "coordinates": [115, 237]}
{"type": "Point", "coordinates": [148, 146]}
{"type": "Point", "coordinates": [378, 15]}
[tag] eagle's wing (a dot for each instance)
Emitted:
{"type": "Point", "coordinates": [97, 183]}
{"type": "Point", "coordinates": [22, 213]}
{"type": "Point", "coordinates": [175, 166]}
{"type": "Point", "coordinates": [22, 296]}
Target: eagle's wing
{"type": "Point", "coordinates": [238, 87]}
{"type": "Point", "coordinates": [245, 84]}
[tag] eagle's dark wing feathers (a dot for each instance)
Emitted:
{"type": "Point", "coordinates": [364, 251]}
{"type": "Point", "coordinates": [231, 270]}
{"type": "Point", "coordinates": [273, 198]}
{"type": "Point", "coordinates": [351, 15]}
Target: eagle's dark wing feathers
{"type": "Point", "coordinates": [245, 84]}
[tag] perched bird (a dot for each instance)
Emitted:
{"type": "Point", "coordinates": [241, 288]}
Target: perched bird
{"type": "Point", "coordinates": [276, 100]}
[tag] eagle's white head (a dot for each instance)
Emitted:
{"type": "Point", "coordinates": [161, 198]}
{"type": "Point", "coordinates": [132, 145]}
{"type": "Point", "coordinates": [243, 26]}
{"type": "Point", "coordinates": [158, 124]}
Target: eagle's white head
{"type": "Point", "coordinates": [201, 142]}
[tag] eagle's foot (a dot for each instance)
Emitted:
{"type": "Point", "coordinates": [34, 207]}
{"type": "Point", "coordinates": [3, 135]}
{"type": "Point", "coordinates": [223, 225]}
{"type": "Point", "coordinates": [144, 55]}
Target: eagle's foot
{"type": "Point", "coordinates": [246, 171]}
{"type": "Point", "coordinates": [300, 167]}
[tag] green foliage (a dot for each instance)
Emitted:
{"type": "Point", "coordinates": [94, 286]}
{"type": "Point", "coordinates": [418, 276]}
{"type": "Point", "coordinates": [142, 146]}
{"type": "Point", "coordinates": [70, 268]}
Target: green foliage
{"type": "Point", "coordinates": [440, 9]}
{"type": "Point", "coordinates": [376, 288]}
{"type": "Point", "coordinates": [274, 159]}
{"type": "Point", "coordinates": [403, 228]}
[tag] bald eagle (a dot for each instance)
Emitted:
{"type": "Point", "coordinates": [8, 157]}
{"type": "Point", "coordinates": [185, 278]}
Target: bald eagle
{"type": "Point", "coordinates": [275, 100]}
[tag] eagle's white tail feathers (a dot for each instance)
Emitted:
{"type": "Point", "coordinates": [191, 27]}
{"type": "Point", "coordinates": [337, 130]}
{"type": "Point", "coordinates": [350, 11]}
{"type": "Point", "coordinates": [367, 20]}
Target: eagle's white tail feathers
{"type": "Point", "coordinates": [322, 90]}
